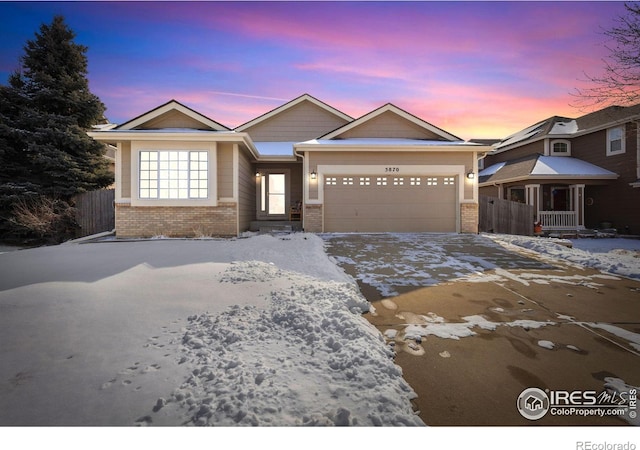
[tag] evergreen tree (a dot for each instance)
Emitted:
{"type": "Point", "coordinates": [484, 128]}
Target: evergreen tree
{"type": "Point", "coordinates": [45, 112]}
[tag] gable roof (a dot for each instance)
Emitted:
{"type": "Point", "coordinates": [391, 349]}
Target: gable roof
{"type": "Point", "coordinates": [539, 166]}
{"type": "Point", "coordinates": [296, 101]}
{"type": "Point", "coordinates": [389, 107]}
{"type": "Point", "coordinates": [166, 108]}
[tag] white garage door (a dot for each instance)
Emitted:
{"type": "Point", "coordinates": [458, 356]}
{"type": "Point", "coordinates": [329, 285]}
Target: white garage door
{"type": "Point", "coordinates": [356, 203]}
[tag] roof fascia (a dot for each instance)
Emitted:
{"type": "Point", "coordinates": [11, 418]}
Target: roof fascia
{"type": "Point", "coordinates": [291, 104]}
{"type": "Point", "coordinates": [389, 107]}
{"type": "Point", "coordinates": [169, 106]}
{"type": "Point", "coordinates": [340, 147]}
{"type": "Point", "coordinates": [547, 177]}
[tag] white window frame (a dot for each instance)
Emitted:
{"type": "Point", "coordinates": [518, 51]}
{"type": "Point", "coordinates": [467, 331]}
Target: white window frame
{"type": "Point", "coordinates": [552, 151]}
{"type": "Point", "coordinates": [622, 139]}
{"type": "Point", "coordinates": [137, 147]}
{"type": "Point", "coordinates": [173, 174]}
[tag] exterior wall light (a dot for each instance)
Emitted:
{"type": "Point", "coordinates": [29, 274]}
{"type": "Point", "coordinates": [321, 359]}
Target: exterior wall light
{"type": "Point", "coordinates": [471, 175]}
{"type": "Point", "coordinates": [258, 174]}
{"type": "Point", "coordinates": [314, 175]}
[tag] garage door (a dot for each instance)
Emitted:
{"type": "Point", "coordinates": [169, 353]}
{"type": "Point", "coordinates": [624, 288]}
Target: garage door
{"type": "Point", "coordinates": [393, 204]}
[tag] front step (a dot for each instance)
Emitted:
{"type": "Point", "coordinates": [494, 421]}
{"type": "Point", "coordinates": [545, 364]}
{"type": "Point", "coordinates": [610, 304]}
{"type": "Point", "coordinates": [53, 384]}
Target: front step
{"type": "Point", "coordinates": [270, 226]}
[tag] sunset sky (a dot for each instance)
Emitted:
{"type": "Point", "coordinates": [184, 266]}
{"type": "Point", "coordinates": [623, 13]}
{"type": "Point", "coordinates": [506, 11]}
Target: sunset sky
{"type": "Point", "coordinates": [475, 69]}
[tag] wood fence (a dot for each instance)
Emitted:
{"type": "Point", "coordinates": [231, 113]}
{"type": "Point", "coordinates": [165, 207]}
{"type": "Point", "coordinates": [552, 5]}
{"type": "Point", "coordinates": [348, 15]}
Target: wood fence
{"type": "Point", "coordinates": [95, 212]}
{"type": "Point", "coordinates": [504, 216]}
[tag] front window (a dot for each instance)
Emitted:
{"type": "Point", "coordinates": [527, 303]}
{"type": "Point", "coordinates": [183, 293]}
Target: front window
{"type": "Point", "coordinates": [560, 148]}
{"type": "Point", "coordinates": [517, 194]}
{"type": "Point", "coordinates": [174, 175]}
{"type": "Point", "coordinates": [615, 141]}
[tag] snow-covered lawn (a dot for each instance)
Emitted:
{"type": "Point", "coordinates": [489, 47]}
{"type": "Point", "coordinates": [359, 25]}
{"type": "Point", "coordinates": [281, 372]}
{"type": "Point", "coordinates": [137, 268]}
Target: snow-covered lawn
{"type": "Point", "coordinates": [613, 255]}
{"type": "Point", "coordinates": [258, 331]}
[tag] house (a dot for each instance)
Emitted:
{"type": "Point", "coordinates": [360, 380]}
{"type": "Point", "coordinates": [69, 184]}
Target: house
{"type": "Point", "coordinates": [577, 173]}
{"type": "Point", "coordinates": [180, 173]}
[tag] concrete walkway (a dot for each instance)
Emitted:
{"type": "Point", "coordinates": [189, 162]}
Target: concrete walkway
{"type": "Point", "coordinates": [549, 327]}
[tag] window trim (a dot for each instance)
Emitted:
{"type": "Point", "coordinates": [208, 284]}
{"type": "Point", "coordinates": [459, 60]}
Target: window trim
{"type": "Point", "coordinates": [212, 172]}
{"type": "Point", "coordinates": [151, 172]}
{"type": "Point", "coordinates": [552, 152]}
{"type": "Point", "coordinates": [623, 146]}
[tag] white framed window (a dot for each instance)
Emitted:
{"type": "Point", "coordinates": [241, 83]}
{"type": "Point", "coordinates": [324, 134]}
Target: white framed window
{"type": "Point", "coordinates": [398, 181]}
{"type": "Point", "coordinates": [432, 181]}
{"type": "Point", "coordinates": [413, 181]}
{"type": "Point", "coordinates": [381, 181]}
{"type": "Point", "coordinates": [331, 181]}
{"type": "Point", "coordinates": [560, 148]}
{"type": "Point", "coordinates": [615, 141]}
{"type": "Point", "coordinates": [174, 175]}
{"type": "Point", "coordinates": [347, 181]}
{"type": "Point", "coordinates": [365, 181]}
{"type": "Point", "coordinates": [449, 181]}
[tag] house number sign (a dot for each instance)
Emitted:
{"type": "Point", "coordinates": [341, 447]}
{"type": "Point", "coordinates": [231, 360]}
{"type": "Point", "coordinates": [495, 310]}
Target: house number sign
{"type": "Point", "coordinates": [392, 169]}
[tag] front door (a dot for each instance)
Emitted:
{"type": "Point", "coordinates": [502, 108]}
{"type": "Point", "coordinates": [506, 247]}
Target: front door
{"type": "Point", "coordinates": [560, 199]}
{"type": "Point", "coordinates": [273, 195]}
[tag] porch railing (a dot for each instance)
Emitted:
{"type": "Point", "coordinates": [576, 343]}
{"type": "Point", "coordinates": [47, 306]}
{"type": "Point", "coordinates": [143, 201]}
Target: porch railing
{"type": "Point", "coordinates": [557, 220]}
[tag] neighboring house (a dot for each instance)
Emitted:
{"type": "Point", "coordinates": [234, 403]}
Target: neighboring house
{"type": "Point", "coordinates": [577, 173]}
{"type": "Point", "coordinates": [180, 173]}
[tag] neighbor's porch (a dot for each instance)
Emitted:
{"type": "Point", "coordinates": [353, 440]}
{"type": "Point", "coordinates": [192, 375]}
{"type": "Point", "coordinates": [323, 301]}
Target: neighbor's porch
{"type": "Point", "coordinates": [556, 206]}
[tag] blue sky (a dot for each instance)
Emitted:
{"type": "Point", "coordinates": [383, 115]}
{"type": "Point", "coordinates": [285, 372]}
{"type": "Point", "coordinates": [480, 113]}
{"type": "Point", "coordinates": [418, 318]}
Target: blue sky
{"type": "Point", "coordinates": [475, 69]}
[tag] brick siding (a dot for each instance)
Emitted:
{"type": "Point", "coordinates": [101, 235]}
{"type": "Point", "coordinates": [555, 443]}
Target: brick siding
{"type": "Point", "coordinates": [313, 218]}
{"type": "Point", "coordinates": [468, 217]}
{"type": "Point", "coordinates": [172, 221]}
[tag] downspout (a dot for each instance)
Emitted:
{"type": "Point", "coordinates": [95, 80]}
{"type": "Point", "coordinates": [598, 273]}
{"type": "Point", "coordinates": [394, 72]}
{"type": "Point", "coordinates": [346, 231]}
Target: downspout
{"type": "Point", "coordinates": [305, 185]}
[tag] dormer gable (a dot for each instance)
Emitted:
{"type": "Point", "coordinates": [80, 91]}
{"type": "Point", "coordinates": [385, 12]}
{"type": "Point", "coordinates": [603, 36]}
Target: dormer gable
{"type": "Point", "coordinates": [172, 115]}
{"type": "Point", "coordinates": [389, 121]}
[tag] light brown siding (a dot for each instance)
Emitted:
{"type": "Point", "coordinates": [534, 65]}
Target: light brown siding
{"type": "Point", "coordinates": [172, 119]}
{"type": "Point", "coordinates": [225, 170]}
{"type": "Point", "coordinates": [246, 191]}
{"type": "Point", "coordinates": [390, 158]}
{"type": "Point", "coordinates": [389, 125]}
{"type": "Point", "coordinates": [299, 123]}
{"type": "Point", "coordinates": [126, 191]}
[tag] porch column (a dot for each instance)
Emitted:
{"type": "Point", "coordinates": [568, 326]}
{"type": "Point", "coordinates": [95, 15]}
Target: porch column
{"type": "Point", "coordinates": [577, 197]}
{"type": "Point", "coordinates": [533, 198]}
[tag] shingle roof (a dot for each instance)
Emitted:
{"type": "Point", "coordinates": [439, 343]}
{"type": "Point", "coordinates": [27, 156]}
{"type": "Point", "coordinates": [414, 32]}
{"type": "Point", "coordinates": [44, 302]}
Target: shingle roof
{"type": "Point", "coordinates": [558, 125]}
{"type": "Point", "coordinates": [539, 166]}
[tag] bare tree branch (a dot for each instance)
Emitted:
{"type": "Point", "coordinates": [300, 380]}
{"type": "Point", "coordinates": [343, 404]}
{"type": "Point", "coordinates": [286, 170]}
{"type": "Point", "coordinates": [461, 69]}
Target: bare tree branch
{"type": "Point", "coordinates": [619, 83]}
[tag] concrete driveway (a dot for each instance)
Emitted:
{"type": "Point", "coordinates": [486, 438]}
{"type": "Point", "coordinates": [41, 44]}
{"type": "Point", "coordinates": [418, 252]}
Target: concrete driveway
{"type": "Point", "coordinates": [474, 325]}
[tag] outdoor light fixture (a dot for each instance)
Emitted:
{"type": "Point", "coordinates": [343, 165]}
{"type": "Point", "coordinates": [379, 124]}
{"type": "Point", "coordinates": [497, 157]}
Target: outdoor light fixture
{"type": "Point", "coordinates": [314, 175]}
{"type": "Point", "coordinates": [258, 174]}
{"type": "Point", "coordinates": [471, 175]}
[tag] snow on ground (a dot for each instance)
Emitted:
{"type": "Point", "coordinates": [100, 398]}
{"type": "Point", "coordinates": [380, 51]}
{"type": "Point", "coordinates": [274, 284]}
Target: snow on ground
{"type": "Point", "coordinates": [617, 256]}
{"type": "Point", "coordinates": [258, 331]}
